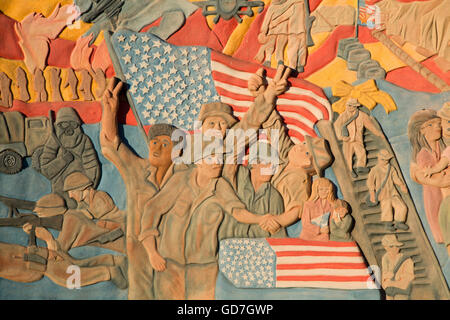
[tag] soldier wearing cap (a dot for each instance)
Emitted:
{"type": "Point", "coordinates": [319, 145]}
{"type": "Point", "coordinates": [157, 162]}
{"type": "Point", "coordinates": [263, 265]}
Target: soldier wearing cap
{"type": "Point", "coordinates": [217, 117]}
{"type": "Point", "coordinates": [349, 128]}
{"type": "Point", "coordinates": [382, 181]}
{"type": "Point", "coordinates": [255, 189]}
{"type": "Point", "coordinates": [397, 269]}
{"type": "Point", "coordinates": [185, 219]}
{"type": "Point", "coordinates": [444, 114]}
{"type": "Point", "coordinates": [143, 178]}
{"type": "Point", "coordinates": [67, 151]}
{"type": "Point", "coordinates": [294, 177]}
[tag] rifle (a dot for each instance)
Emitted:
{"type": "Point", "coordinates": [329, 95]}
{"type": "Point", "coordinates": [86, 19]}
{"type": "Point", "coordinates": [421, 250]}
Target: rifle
{"type": "Point", "coordinates": [18, 220]}
{"type": "Point", "coordinates": [14, 204]}
{"type": "Point", "coordinates": [54, 222]}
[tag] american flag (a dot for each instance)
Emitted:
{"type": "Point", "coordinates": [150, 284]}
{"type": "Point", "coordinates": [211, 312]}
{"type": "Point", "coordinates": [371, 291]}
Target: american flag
{"type": "Point", "coordinates": [294, 263]}
{"type": "Point", "coordinates": [170, 83]}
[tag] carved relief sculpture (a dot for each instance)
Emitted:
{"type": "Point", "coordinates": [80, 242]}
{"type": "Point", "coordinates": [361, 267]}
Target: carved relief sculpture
{"type": "Point", "coordinates": [224, 149]}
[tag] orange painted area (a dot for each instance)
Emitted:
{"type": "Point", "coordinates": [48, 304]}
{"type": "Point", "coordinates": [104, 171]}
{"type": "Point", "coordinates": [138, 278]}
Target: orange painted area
{"type": "Point", "coordinates": [241, 30]}
{"type": "Point", "coordinates": [333, 72]}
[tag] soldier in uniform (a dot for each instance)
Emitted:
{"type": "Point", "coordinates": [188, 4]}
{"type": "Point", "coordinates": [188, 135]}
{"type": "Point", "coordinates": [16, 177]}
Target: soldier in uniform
{"type": "Point", "coordinates": [349, 128]}
{"type": "Point", "coordinates": [185, 218]}
{"type": "Point", "coordinates": [68, 150]}
{"type": "Point", "coordinates": [397, 269]}
{"type": "Point", "coordinates": [143, 178]}
{"type": "Point", "coordinates": [79, 229]}
{"type": "Point", "coordinates": [383, 179]}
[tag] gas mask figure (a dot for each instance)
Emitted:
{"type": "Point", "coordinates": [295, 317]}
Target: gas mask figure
{"type": "Point", "coordinates": [68, 150]}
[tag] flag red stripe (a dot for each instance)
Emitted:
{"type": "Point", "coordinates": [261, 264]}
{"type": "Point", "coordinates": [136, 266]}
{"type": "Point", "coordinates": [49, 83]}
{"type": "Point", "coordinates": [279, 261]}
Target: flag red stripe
{"type": "Point", "coordinates": [300, 125]}
{"type": "Point", "coordinates": [324, 278]}
{"type": "Point", "coordinates": [316, 254]}
{"type": "Point", "coordinates": [295, 134]}
{"type": "Point", "coordinates": [235, 96]}
{"type": "Point", "coordinates": [300, 110]}
{"type": "Point", "coordinates": [245, 66]}
{"type": "Point", "coordinates": [308, 99]}
{"type": "Point", "coordinates": [333, 265]}
{"type": "Point", "coordinates": [229, 79]}
{"type": "Point", "coordinates": [297, 241]}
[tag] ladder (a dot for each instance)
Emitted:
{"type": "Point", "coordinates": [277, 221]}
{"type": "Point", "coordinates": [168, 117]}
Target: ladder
{"type": "Point", "coordinates": [429, 282]}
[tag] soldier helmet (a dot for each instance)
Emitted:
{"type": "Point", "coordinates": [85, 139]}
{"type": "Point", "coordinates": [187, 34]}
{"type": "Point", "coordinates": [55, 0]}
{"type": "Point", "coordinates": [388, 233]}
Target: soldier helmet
{"type": "Point", "coordinates": [321, 154]}
{"type": "Point", "coordinates": [217, 109]}
{"type": "Point", "coordinates": [50, 205]}
{"type": "Point", "coordinates": [67, 114]}
{"type": "Point", "coordinates": [76, 181]}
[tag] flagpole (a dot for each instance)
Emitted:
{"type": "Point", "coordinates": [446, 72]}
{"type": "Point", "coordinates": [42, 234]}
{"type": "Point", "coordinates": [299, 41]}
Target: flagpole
{"type": "Point", "coordinates": [356, 19]}
{"type": "Point", "coordinates": [121, 76]}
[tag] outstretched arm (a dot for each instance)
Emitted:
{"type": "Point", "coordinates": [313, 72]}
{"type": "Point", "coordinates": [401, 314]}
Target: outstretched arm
{"type": "Point", "coordinates": [110, 107]}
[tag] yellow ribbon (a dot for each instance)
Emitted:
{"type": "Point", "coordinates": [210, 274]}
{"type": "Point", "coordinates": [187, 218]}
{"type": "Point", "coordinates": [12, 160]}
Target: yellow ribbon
{"type": "Point", "coordinates": [367, 94]}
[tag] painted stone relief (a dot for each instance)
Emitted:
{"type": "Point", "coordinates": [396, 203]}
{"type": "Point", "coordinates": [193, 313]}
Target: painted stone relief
{"type": "Point", "coordinates": [185, 149]}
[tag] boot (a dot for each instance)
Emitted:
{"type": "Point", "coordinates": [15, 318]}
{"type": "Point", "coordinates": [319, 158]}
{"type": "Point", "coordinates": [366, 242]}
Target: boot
{"type": "Point", "coordinates": [118, 278]}
{"type": "Point", "coordinates": [401, 225]}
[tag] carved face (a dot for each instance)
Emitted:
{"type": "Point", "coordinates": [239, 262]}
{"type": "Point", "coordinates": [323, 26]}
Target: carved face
{"type": "Point", "coordinates": [392, 250]}
{"type": "Point", "coordinates": [69, 133]}
{"type": "Point", "coordinates": [323, 191]}
{"type": "Point", "coordinates": [300, 156]}
{"type": "Point", "coordinates": [211, 166]}
{"type": "Point", "coordinates": [214, 126]}
{"type": "Point", "coordinates": [445, 124]}
{"type": "Point", "coordinates": [77, 195]}
{"type": "Point", "coordinates": [262, 171]}
{"type": "Point", "coordinates": [160, 151]}
{"type": "Point", "coordinates": [432, 129]}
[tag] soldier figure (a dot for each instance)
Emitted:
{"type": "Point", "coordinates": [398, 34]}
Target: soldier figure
{"type": "Point", "coordinates": [349, 128]}
{"type": "Point", "coordinates": [68, 150]}
{"type": "Point", "coordinates": [381, 182]}
{"type": "Point", "coordinates": [397, 269]}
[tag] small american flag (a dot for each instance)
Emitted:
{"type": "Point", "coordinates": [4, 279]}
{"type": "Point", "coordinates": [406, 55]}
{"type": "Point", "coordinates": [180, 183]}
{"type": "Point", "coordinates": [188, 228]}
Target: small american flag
{"type": "Point", "coordinates": [294, 263]}
{"type": "Point", "coordinates": [170, 83]}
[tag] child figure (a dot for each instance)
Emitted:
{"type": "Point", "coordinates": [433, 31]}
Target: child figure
{"type": "Point", "coordinates": [316, 211]}
{"type": "Point", "coordinates": [440, 166]}
{"type": "Point", "coordinates": [341, 222]}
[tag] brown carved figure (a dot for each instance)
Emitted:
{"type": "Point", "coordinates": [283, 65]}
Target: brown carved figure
{"type": "Point", "coordinates": [39, 86]}
{"type": "Point", "coordinates": [143, 178]}
{"type": "Point", "coordinates": [284, 25]}
{"type": "Point", "coordinates": [298, 164]}
{"type": "Point", "coordinates": [397, 270]}
{"type": "Point", "coordinates": [349, 128]}
{"type": "Point", "coordinates": [100, 79]}
{"type": "Point", "coordinates": [341, 222]}
{"type": "Point", "coordinates": [444, 114]}
{"type": "Point", "coordinates": [68, 150]}
{"type": "Point", "coordinates": [54, 265]}
{"type": "Point", "coordinates": [55, 82]}
{"type": "Point", "coordinates": [86, 85]}
{"type": "Point", "coordinates": [72, 82]}
{"type": "Point", "coordinates": [22, 84]}
{"type": "Point", "coordinates": [78, 228]}
{"type": "Point", "coordinates": [382, 182]}
{"type": "Point", "coordinates": [216, 118]}
{"type": "Point", "coordinates": [316, 211]}
{"type": "Point", "coordinates": [188, 269]}
{"type": "Point", "coordinates": [6, 97]}
{"type": "Point", "coordinates": [425, 135]}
